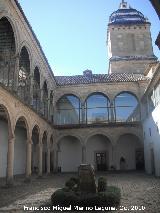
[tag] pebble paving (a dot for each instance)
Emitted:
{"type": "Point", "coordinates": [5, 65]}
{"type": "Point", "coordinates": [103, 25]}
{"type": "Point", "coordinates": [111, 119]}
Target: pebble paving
{"type": "Point", "coordinates": [140, 192]}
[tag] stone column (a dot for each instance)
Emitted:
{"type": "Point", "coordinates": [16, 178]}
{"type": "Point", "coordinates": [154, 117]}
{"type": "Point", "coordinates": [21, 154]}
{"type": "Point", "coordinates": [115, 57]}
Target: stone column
{"type": "Point", "coordinates": [48, 160]}
{"type": "Point", "coordinates": [10, 161]}
{"type": "Point", "coordinates": [83, 113]}
{"type": "Point", "coordinates": [40, 160]}
{"type": "Point", "coordinates": [112, 111]}
{"type": "Point", "coordinates": [84, 154]}
{"type": "Point", "coordinates": [28, 158]}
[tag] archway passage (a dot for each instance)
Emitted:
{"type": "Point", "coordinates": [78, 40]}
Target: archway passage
{"type": "Point", "coordinates": [4, 135]}
{"type": "Point", "coordinates": [35, 149]}
{"type": "Point", "coordinates": [7, 53]}
{"type": "Point", "coordinates": [130, 155]}
{"type": "Point", "coordinates": [99, 152]}
{"type": "Point", "coordinates": [44, 153]}
{"type": "Point", "coordinates": [23, 78]}
{"type": "Point", "coordinates": [21, 132]}
{"type": "Point", "coordinates": [70, 154]}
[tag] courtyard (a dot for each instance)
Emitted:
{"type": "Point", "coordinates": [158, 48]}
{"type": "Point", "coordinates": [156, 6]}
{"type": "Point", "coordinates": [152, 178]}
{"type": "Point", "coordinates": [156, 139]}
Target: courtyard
{"type": "Point", "coordinates": [138, 191]}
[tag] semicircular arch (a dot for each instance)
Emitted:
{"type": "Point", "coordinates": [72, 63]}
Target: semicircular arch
{"type": "Point", "coordinates": [103, 133]}
{"type": "Point", "coordinates": [128, 92]}
{"type": "Point", "coordinates": [12, 22]}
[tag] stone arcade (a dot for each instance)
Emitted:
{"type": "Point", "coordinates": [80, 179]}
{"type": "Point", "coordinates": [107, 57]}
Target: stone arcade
{"type": "Point", "coordinates": [54, 123]}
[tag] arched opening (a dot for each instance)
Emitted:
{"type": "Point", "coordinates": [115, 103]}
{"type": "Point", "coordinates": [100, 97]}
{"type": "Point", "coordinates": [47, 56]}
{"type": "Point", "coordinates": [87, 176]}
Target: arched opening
{"type": "Point", "coordinates": [70, 154]}
{"type": "Point", "coordinates": [130, 154]}
{"type": "Point", "coordinates": [21, 132]}
{"type": "Point", "coordinates": [68, 110]}
{"type": "Point", "coordinates": [24, 76]}
{"type": "Point", "coordinates": [126, 108]}
{"type": "Point", "coordinates": [44, 153]}
{"type": "Point", "coordinates": [45, 100]}
{"type": "Point", "coordinates": [51, 107]}
{"type": "Point", "coordinates": [35, 150]}
{"type": "Point", "coordinates": [4, 136]}
{"type": "Point", "coordinates": [51, 155]}
{"type": "Point", "coordinates": [99, 152]}
{"type": "Point", "coordinates": [97, 109]}
{"type": "Point", "coordinates": [7, 53]}
{"type": "Point", "coordinates": [36, 90]}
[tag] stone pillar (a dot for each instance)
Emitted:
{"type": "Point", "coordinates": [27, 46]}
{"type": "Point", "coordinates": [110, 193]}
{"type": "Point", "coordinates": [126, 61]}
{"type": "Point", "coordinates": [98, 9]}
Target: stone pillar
{"type": "Point", "coordinates": [40, 160]}
{"type": "Point", "coordinates": [10, 161]}
{"type": "Point", "coordinates": [28, 158]}
{"type": "Point", "coordinates": [84, 154]}
{"type": "Point", "coordinates": [112, 111]}
{"type": "Point", "coordinates": [83, 113]}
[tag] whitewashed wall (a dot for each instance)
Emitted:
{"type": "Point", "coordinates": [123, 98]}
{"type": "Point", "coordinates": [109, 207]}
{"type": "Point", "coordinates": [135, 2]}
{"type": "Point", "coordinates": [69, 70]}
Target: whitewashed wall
{"type": "Point", "coordinates": [70, 155]}
{"type": "Point", "coordinates": [152, 125]}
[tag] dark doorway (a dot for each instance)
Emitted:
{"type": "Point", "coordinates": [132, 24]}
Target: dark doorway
{"type": "Point", "coordinates": [139, 160]}
{"type": "Point", "coordinates": [122, 164]}
{"type": "Point", "coordinates": [101, 161]}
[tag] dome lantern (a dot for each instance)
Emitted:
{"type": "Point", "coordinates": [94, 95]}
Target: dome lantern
{"type": "Point", "coordinates": [127, 15]}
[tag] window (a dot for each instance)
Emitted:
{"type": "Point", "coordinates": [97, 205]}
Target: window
{"type": "Point", "coordinates": [68, 110]}
{"type": "Point", "coordinates": [126, 108]}
{"type": "Point", "coordinates": [97, 109]}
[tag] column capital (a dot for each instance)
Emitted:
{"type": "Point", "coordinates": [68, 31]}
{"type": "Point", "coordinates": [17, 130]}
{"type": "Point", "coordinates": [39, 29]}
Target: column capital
{"type": "Point", "coordinates": [29, 141]}
{"type": "Point", "coordinates": [11, 139]}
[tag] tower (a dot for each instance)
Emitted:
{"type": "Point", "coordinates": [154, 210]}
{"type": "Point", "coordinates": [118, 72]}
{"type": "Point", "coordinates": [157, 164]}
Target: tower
{"type": "Point", "coordinates": [129, 41]}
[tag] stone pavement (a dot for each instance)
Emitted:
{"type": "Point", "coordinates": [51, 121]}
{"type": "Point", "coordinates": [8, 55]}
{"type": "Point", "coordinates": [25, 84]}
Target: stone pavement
{"type": "Point", "coordinates": [138, 190]}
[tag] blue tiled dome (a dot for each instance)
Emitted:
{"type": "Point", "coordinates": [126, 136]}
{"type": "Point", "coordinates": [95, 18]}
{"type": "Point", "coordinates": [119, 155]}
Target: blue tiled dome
{"type": "Point", "coordinates": [127, 15]}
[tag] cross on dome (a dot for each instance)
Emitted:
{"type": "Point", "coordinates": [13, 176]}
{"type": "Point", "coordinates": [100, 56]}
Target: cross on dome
{"type": "Point", "coordinates": [123, 5]}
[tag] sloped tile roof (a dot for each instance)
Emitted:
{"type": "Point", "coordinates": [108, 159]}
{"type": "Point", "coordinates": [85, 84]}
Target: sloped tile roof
{"type": "Point", "coordinates": [99, 78]}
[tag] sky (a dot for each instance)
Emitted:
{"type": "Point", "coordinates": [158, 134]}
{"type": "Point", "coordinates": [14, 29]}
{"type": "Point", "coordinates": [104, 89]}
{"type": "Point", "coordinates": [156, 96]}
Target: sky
{"type": "Point", "coordinates": [73, 33]}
